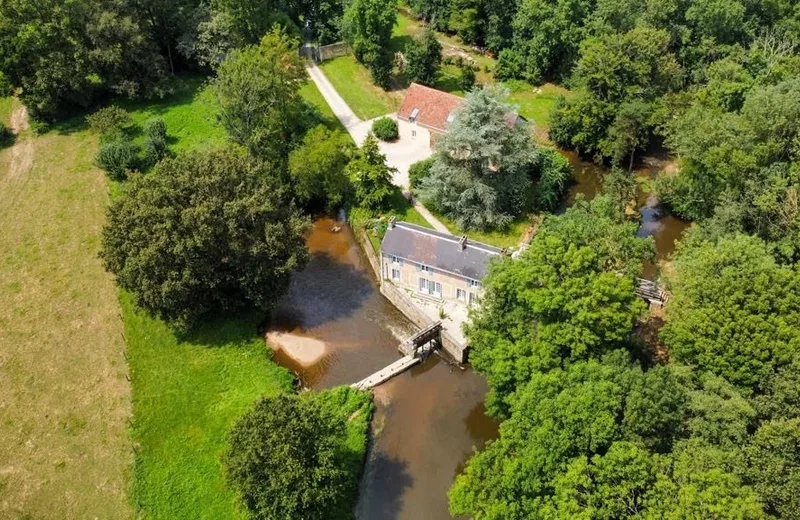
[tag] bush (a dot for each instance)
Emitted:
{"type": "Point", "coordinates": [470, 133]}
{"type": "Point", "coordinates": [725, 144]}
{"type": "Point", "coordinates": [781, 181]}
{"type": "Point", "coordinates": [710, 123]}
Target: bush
{"type": "Point", "coordinates": [118, 158]}
{"type": "Point", "coordinates": [419, 170]}
{"type": "Point", "coordinates": [385, 129]}
{"type": "Point", "coordinates": [109, 120]}
{"type": "Point", "coordinates": [467, 80]}
{"type": "Point", "coordinates": [510, 65]}
{"type": "Point", "coordinates": [155, 147]}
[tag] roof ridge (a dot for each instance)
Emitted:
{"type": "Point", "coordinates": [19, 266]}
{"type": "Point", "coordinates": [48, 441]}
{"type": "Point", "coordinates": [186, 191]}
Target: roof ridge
{"type": "Point", "coordinates": [449, 237]}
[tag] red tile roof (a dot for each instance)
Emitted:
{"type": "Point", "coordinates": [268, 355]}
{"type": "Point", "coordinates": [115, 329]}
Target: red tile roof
{"type": "Point", "coordinates": [434, 106]}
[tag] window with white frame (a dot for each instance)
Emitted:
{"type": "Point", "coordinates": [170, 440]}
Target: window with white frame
{"type": "Point", "coordinates": [396, 275]}
{"type": "Point", "coordinates": [430, 287]}
{"type": "Point", "coordinates": [474, 283]}
{"type": "Point", "coordinates": [461, 295]}
{"type": "Point", "coordinates": [473, 298]}
{"type": "Point", "coordinates": [425, 268]}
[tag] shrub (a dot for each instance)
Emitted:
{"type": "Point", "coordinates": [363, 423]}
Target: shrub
{"type": "Point", "coordinates": [118, 158]}
{"type": "Point", "coordinates": [155, 147]}
{"type": "Point", "coordinates": [419, 170]}
{"type": "Point", "coordinates": [109, 120]}
{"type": "Point", "coordinates": [386, 129]}
{"type": "Point", "coordinates": [510, 65]}
{"type": "Point", "coordinates": [467, 80]}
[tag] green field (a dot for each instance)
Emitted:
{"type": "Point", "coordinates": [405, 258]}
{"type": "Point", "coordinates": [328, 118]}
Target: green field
{"type": "Point", "coordinates": [313, 96]}
{"type": "Point", "coordinates": [7, 105]}
{"type": "Point", "coordinates": [190, 114]}
{"type": "Point", "coordinates": [354, 84]}
{"type": "Point", "coordinates": [65, 450]}
{"type": "Point", "coordinates": [186, 396]}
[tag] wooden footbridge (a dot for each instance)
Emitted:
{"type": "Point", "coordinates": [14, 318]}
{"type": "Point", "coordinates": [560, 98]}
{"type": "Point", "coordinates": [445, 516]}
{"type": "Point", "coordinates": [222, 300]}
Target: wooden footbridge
{"type": "Point", "coordinates": [651, 291]}
{"type": "Point", "coordinates": [417, 348]}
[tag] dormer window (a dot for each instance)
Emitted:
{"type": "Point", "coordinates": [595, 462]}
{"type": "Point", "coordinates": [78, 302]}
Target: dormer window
{"type": "Point", "coordinates": [451, 117]}
{"type": "Point", "coordinates": [414, 115]}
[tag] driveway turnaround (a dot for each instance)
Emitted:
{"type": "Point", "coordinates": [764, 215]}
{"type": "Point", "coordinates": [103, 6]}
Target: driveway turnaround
{"type": "Point", "coordinates": [400, 154]}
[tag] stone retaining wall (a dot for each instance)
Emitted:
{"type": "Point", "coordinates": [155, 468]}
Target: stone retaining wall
{"type": "Point", "coordinates": [403, 302]}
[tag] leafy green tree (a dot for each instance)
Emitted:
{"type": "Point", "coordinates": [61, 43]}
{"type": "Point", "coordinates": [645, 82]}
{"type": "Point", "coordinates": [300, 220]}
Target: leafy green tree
{"type": "Point", "coordinates": [618, 78]}
{"type": "Point", "coordinates": [466, 20]}
{"type": "Point", "coordinates": [205, 232]}
{"type": "Point", "coordinates": [423, 58]}
{"type": "Point", "coordinates": [568, 297]}
{"type": "Point", "coordinates": [774, 466]}
{"type": "Point", "coordinates": [66, 55]}
{"type": "Point", "coordinates": [554, 177]}
{"type": "Point", "coordinates": [698, 481]}
{"type": "Point", "coordinates": [435, 12]}
{"type": "Point", "coordinates": [733, 310]}
{"type": "Point", "coordinates": [419, 170]}
{"type": "Point", "coordinates": [257, 90]}
{"type": "Point", "coordinates": [485, 167]}
{"type": "Point", "coordinates": [781, 393]}
{"type": "Point", "coordinates": [286, 459]}
{"type": "Point", "coordinates": [367, 27]}
{"type": "Point", "coordinates": [467, 79]}
{"type": "Point", "coordinates": [155, 131]}
{"type": "Point", "coordinates": [317, 168]}
{"type": "Point", "coordinates": [371, 176]}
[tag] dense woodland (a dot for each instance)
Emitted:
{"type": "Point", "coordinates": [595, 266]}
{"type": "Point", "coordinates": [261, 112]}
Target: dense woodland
{"type": "Point", "coordinates": [594, 423]}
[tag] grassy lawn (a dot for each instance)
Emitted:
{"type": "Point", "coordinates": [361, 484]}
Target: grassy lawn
{"type": "Point", "coordinates": [186, 397]}
{"type": "Point", "coordinates": [313, 96]}
{"type": "Point", "coordinates": [65, 450]}
{"type": "Point", "coordinates": [535, 106]}
{"type": "Point", "coordinates": [7, 106]}
{"type": "Point", "coordinates": [190, 114]}
{"type": "Point", "coordinates": [354, 84]}
{"type": "Point", "coordinates": [509, 237]}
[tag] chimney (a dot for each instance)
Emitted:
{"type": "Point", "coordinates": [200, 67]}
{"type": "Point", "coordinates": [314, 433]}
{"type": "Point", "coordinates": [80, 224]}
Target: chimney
{"type": "Point", "coordinates": [462, 242]}
{"type": "Point", "coordinates": [391, 222]}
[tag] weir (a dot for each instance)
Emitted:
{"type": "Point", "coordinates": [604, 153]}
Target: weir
{"type": "Point", "coordinates": [417, 348]}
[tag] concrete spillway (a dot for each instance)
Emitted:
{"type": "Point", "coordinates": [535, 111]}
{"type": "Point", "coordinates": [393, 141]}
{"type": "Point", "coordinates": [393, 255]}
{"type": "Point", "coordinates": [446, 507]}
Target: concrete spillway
{"type": "Point", "coordinates": [386, 373]}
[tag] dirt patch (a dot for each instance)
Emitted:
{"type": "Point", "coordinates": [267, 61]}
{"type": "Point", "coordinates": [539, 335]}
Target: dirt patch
{"type": "Point", "coordinates": [22, 151]}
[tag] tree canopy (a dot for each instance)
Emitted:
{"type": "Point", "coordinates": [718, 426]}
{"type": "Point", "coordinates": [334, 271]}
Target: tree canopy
{"type": "Point", "coordinates": [423, 58]}
{"type": "Point", "coordinates": [569, 296]}
{"type": "Point", "coordinates": [257, 90]}
{"type": "Point", "coordinates": [317, 168]}
{"type": "Point", "coordinates": [289, 457]}
{"type": "Point", "coordinates": [733, 310]}
{"type": "Point", "coordinates": [367, 27]}
{"type": "Point", "coordinates": [487, 169]}
{"type": "Point", "coordinates": [205, 232]}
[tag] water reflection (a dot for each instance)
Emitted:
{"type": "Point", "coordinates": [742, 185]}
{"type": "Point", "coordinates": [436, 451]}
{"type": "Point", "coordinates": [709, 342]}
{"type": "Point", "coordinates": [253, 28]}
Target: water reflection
{"type": "Point", "coordinates": [427, 420]}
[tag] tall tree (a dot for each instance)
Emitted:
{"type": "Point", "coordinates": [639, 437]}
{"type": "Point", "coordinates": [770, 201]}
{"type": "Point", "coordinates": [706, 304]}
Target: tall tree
{"type": "Point", "coordinates": [423, 58]}
{"type": "Point", "coordinates": [287, 459]}
{"type": "Point", "coordinates": [370, 175]}
{"type": "Point", "coordinates": [733, 310]}
{"type": "Point", "coordinates": [569, 296]}
{"type": "Point", "coordinates": [367, 27]}
{"type": "Point", "coordinates": [257, 90]}
{"type": "Point", "coordinates": [317, 168]}
{"type": "Point", "coordinates": [486, 165]}
{"type": "Point", "coordinates": [205, 232]}
{"type": "Point", "coordinates": [65, 55]}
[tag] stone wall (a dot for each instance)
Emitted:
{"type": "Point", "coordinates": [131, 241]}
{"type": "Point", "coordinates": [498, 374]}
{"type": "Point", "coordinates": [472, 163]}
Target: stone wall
{"type": "Point", "coordinates": [334, 50]}
{"type": "Point", "coordinates": [372, 257]}
{"type": "Point", "coordinates": [405, 305]}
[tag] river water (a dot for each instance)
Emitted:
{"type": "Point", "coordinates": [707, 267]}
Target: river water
{"type": "Point", "coordinates": [429, 419]}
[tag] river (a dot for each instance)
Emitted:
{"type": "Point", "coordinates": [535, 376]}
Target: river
{"type": "Point", "coordinates": [427, 420]}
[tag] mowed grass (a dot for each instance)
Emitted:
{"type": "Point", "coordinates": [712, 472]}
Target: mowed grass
{"type": "Point", "coordinates": [354, 83]}
{"type": "Point", "coordinates": [7, 105]}
{"type": "Point", "coordinates": [311, 94]}
{"type": "Point", "coordinates": [65, 399]}
{"type": "Point", "coordinates": [187, 394]}
{"type": "Point", "coordinates": [190, 115]}
{"type": "Point", "coordinates": [509, 237]}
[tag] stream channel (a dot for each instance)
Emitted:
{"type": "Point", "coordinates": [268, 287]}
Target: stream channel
{"type": "Point", "coordinates": [334, 327]}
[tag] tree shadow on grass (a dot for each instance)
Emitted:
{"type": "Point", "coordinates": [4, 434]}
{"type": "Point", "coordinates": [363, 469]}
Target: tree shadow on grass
{"type": "Point", "coordinates": [398, 43]}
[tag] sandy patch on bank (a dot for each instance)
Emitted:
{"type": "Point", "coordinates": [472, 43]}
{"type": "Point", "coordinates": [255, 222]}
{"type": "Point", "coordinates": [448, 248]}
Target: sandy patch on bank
{"type": "Point", "coordinates": [304, 350]}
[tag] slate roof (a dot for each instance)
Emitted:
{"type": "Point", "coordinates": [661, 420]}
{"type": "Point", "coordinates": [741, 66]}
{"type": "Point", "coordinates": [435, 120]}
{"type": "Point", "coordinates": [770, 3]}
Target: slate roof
{"type": "Point", "coordinates": [438, 250]}
{"type": "Point", "coordinates": [434, 106]}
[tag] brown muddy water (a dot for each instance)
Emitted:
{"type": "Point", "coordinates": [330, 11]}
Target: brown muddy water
{"type": "Point", "coordinates": [334, 328]}
{"type": "Point", "coordinates": [427, 420]}
{"type": "Point", "coordinates": [656, 221]}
